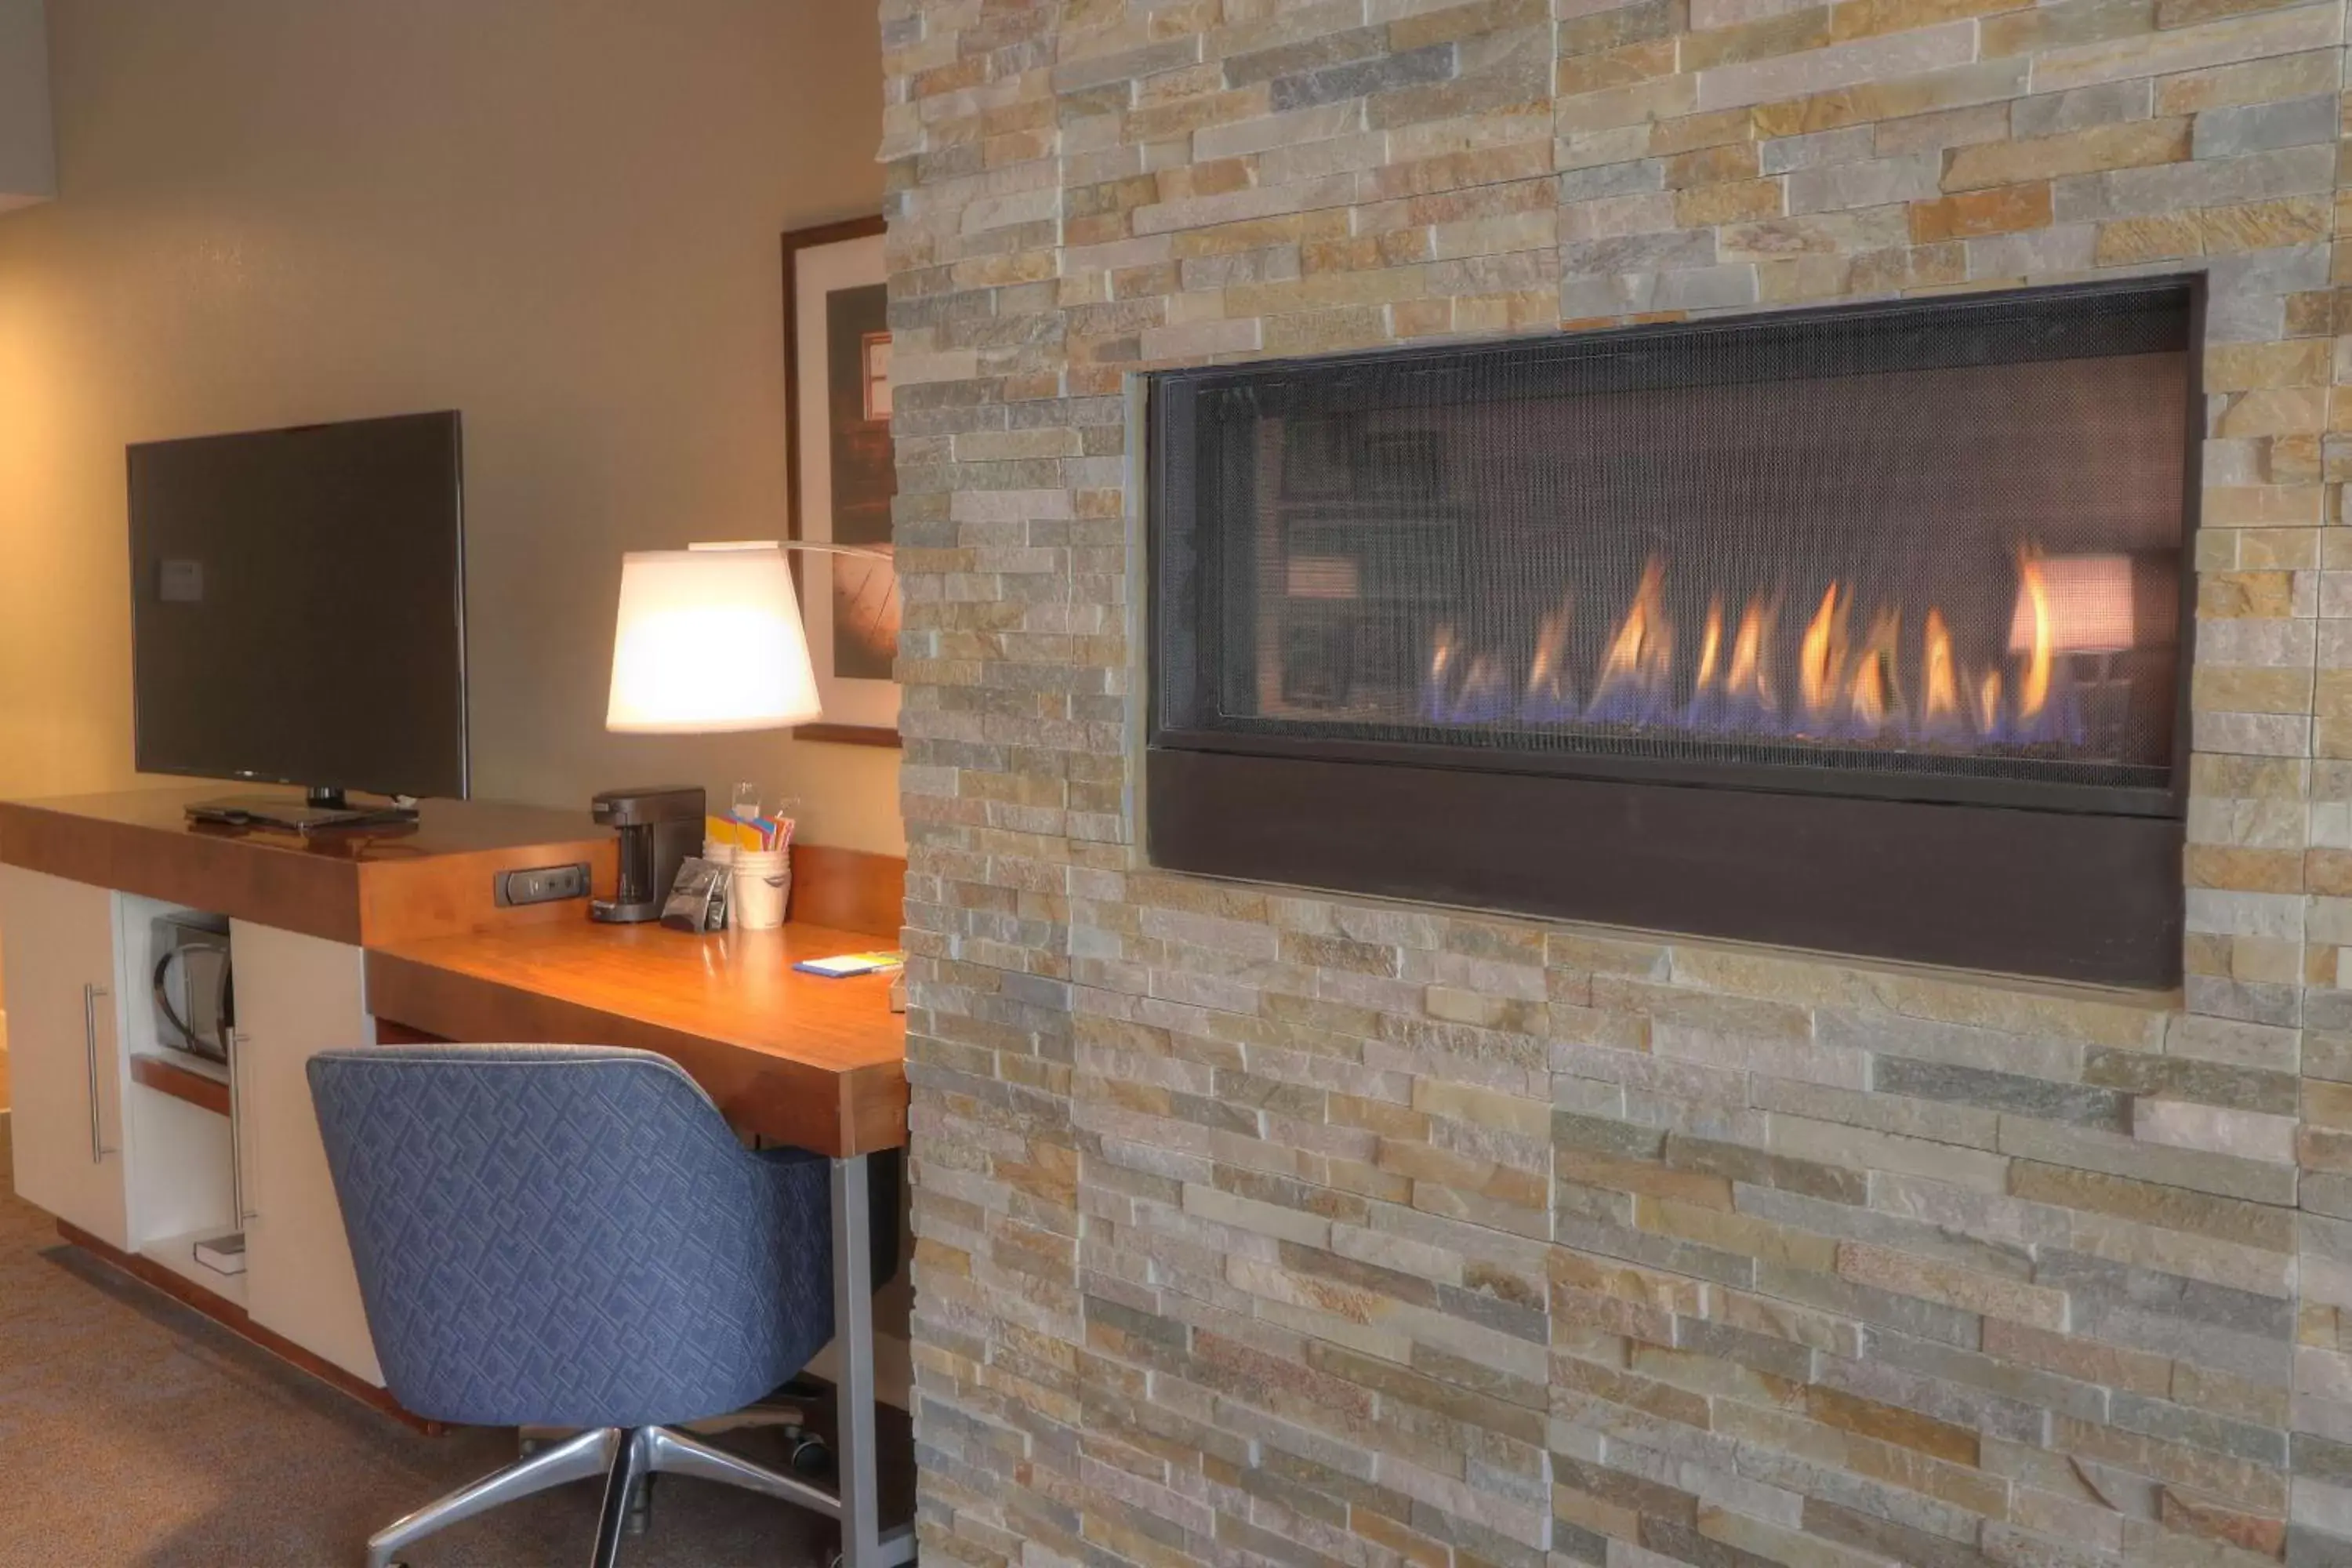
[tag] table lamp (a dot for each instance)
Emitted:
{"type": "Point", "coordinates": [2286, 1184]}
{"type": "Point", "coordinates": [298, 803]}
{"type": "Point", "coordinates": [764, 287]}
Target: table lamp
{"type": "Point", "coordinates": [709, 640]}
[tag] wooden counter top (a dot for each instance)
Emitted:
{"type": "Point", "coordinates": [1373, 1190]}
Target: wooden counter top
{"type": "Point", "coordinates": [812, 1062]}
{"type": "Point", "coordinates": [357, 885]}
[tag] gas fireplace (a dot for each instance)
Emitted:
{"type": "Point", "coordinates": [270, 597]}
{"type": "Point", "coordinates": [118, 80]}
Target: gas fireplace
{"type": "Point", "coordinates": [1859, 629]}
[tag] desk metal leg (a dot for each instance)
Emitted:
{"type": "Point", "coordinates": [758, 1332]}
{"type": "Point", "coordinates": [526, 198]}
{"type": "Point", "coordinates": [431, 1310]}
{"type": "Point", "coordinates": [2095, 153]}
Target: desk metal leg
{"type": "Point", "coordinates": [853, 1327]}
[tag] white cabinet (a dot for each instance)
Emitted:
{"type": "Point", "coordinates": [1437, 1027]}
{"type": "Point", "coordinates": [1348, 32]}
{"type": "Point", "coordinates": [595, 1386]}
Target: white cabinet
{"type": "Point", "coordinates": [77, 956]}
{"type": "Point", "coordinates": [296, 997]}
{"type": "Point", "coordinates": [65, 1050]}
{"type": "Point", "coordinates": [152, 1154]}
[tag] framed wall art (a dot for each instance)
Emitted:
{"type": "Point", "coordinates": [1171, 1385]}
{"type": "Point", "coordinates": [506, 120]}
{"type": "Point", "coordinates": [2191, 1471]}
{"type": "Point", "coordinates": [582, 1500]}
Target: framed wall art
{"type": "Point", "coordinates": [841, 472]}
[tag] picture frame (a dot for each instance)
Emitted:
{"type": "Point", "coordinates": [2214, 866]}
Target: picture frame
{"type": "Point", "coordinates": [840, 473]}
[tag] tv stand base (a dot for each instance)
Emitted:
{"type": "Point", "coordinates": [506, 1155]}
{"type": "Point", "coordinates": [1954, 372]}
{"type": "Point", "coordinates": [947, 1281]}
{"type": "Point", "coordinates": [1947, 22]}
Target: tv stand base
{"type": "Point", "coordinates": [290, 816]}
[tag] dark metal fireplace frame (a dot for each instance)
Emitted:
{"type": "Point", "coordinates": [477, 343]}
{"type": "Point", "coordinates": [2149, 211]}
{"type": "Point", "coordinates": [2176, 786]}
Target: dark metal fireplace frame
{"type": "Point", "coordinates": [2077, 882]}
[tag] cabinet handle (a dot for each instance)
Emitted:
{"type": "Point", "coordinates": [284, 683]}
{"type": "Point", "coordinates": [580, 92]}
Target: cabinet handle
{"type": "Point", "coordinates": [90, 996]}
{"type": "Point", "coordinates": [237, 1043]}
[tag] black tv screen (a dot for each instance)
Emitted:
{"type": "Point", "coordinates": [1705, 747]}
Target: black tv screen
{"type": "Point", "coordinates": [299, 605]}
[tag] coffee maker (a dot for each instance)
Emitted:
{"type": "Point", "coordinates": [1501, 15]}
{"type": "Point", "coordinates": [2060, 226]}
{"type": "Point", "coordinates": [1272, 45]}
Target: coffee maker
{"type": "Point", "coordinates": [660, 828]}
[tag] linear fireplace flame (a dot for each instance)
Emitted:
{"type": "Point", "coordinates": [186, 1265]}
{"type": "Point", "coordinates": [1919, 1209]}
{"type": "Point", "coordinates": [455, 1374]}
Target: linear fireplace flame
{"type": "Point", "coordinates": [1848, 686]}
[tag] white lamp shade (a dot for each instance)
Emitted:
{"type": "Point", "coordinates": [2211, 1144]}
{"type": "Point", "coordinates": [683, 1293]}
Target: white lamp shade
{"type": "Point", "coordinates": [709, 640]}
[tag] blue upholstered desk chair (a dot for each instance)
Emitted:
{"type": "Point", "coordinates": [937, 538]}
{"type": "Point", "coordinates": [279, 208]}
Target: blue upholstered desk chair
{"type": "Point", "coordinates": [569, 1236]}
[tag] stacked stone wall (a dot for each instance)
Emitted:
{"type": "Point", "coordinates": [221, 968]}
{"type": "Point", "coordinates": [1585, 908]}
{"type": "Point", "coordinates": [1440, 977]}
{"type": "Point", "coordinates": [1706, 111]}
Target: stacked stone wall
{"type": "Point", "coordinates": [1257, 1226]}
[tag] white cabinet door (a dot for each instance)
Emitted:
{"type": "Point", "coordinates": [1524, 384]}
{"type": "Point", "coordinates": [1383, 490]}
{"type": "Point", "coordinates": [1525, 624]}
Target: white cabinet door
{"type": "Point", "coordinates": [65, 1050]}
{"type": "Point", "coordinates": [296, 997]}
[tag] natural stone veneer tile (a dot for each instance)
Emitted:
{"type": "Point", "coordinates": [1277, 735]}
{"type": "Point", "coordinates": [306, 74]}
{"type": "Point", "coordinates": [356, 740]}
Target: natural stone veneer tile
{"type": "Point", "coordinates": [2052, 113]}
{"type": "Point", "coordinates": [1765, 1352]}
{"type": "Point", "coordinates": [1741, 1163]}
{"type": "Point", "coordinates": [2260, 127]}
{"type": "Point", "coordinates": [2078, 1103]}
{"type": "Point", "coordinates": [2186, 186]}
{"type": "Point", "coordinates": [1883, 1540]}
{"type": "Point", "coordinates": [1881, 1151]}
{"type": "Point", "coordinates": [2276, 80]}
{"type": "Point", "coordinates": [2095, 1363]}
{"type": "Point", "coordinates": [2160, 1418]}
{"type": "Point", "coordinates": [2090, 151]}
{"type": "Point", "coordinates": [2012, 1226]}
{"type": "Point", "coordinates": [2326, 1458]}
{"type": "Point", "coordinates": [1824, 149]}
{"type": "Point", "coordinates": [2186, 1078]}
{"type": "Point", "coordinates": [1921, 1239]}
{"type": "Point", "coordinates": [2190, 1516]}
{"type": "Point", "coordinates": [2004, 210]}
{"type": "Point", "coordinates": [1804, 1061]}
{"type": "Point", "coordinates": [2188, 1125]}
{"type": "Point", "coordinates": [2231, 1480]}
{"type": "Point", "coordinates": [2228, 1040]}
{"type": "Point", "coordinates": [2063, 248]}
{"type": "Point", "coordinates": [2098, 1281]}
{"type": "Point", "coordinates": [2190, 49]}
{"type": "Point", "coordinates": [2223, 1174]}
{"type": "Point", "coordinates": [2033, 29]}
{"type": "Point", "coordinates": [2201, 1388]}
{"type": "Point", "coordinates": [1890, 1424]}
{"type": "Point", "coordinates": [1953, 1044]}
{"type": "Point", "coordinates": [2327, 1263]}
{"type": "Point", "coordinates": [1876, 182]}
{"type": "Point", "coordinates": [1641, 1176]}
{"type": "Point", "coordinates": [1869, 1304]}
{"type": "Point", "coordinates": [1995, 1393]}
{"type": "Point", "coordinates": [2251, 1356]}
{"type": "Point", "coordinates": [2179, 1252]}
{"type": "Point", "coordinates": [2148, 1203]}
{"type": "Point", "coordinates": [1745, 1235]}
{"type": "Point", "coordinates": [1837, 66]}
{"type": "Point", "coordinates": [1988, 1295]}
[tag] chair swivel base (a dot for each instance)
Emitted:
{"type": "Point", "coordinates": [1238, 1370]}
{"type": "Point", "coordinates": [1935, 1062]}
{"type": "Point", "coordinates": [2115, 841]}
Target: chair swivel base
{"type": "Point", "coordinates": [625, 1456]}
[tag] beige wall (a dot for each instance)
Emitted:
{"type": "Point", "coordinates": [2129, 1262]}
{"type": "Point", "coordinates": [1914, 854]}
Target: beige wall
{"type": "Point", "coordinates": [559, 215]}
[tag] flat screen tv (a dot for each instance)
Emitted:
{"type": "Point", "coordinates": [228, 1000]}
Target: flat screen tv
{"type": "Point", "coordinates": [298, 607]}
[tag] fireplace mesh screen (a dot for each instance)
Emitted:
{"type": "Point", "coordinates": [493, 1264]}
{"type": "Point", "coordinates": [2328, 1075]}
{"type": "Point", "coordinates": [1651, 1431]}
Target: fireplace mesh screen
{"type": "Point", "coordinates": [1936, 542]}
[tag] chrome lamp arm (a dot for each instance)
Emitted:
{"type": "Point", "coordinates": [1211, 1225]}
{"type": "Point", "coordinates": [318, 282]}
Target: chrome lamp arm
{"type": "Point", "coordinates": [813, 546]}
{"type": "Point", "coordinates": [819, 547]}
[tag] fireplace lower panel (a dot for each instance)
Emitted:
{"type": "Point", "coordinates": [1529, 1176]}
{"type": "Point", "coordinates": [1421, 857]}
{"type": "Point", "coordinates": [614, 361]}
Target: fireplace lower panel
{"type": "Point", "coordinates": [2077, 897]}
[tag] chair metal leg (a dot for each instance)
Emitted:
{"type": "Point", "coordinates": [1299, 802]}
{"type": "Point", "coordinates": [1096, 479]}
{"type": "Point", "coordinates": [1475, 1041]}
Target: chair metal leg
{"type": "Point", "coordinates": [575, 1458]}
{"type": "Point", "coordinates": [678, 1453]}
{"type": "Point", "coordinates": [641, 1509]}
{"type": "Point", "coordinates": [530, 1440]}
{"type": "Point", "coordinates": [621, 1483]}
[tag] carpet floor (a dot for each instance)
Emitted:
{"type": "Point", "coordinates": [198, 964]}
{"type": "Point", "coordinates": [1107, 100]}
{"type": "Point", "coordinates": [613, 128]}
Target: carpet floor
{"type": "Point", "coordinates": [136, 1432]}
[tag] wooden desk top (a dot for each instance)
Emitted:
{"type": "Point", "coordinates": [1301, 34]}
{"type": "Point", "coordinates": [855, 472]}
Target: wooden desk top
{"type": "Point", "coordinates": [817, 1063]}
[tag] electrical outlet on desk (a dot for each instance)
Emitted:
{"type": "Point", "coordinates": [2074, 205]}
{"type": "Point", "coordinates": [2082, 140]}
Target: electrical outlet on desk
{"type": "Point", "coordinates": [541, 884]}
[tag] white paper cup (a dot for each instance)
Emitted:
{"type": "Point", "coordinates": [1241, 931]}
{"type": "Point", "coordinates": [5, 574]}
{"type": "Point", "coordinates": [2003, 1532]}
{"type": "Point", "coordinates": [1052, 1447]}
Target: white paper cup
{"type": "Point", "coordinates": [763, 880]}
{"type": "Point", "coordinates": [718, 854]}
